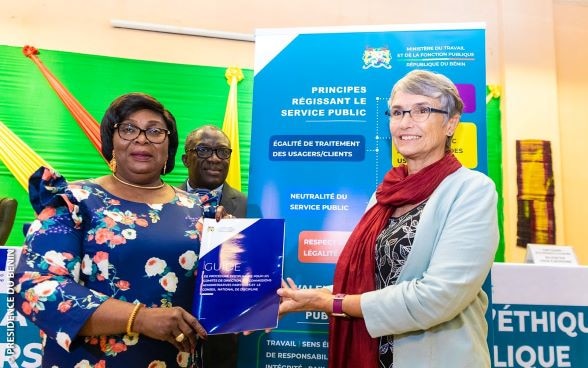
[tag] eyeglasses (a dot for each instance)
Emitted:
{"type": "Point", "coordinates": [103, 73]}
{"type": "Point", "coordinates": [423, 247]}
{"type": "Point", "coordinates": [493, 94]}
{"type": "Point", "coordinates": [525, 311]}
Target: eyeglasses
{"type": "Point", "coordinates": [129, 132]}
{"type": "Point", "coordinates": [206, 152]}
{"type": "Point", "coordinates": [417, 113]}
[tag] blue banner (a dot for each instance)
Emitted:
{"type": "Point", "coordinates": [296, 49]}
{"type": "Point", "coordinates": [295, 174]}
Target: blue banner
{"type": "Point", "coordinates": [320, 144]}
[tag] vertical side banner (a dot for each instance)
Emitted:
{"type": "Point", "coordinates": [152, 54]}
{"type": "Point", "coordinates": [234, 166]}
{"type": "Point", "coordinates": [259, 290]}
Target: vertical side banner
{"type": "Point", "coordinates": [20, 342]}
{"type": "Point", "coordinates": [320, 144]}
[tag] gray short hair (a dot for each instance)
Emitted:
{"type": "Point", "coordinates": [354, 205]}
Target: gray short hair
{"type": "Point", "coordinates": [431, 84]}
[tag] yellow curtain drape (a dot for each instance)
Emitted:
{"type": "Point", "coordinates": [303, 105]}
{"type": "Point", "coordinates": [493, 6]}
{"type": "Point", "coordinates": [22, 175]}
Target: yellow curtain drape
{"type": "Point", "coordinates": [231, 126]}
{"type": "Point", "coordinates": [493, 91]}
{"type": "Point", "coordinates": [18, 157]}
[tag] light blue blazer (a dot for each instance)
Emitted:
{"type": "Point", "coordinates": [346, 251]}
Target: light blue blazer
{"type": "Point", "coordinates": [436, 309]}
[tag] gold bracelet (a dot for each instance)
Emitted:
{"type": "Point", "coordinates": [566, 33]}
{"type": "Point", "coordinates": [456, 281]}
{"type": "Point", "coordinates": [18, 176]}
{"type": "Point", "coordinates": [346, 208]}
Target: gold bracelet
{"type": "Point", "coordinates": [132, 319]}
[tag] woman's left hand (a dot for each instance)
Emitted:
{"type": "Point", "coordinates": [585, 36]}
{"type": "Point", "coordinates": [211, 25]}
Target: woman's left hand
{"type": "Point", "coordinates": [221, 213]}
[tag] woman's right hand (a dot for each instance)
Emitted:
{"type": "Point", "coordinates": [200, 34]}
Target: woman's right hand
{"type": "Point", "coordinates": [167, 324]}
{"type": "Point", "coordinates": [299, 300]}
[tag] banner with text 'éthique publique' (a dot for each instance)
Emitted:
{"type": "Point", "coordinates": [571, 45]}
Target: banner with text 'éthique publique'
{"type": "Point", "coordinates": [320, 144]}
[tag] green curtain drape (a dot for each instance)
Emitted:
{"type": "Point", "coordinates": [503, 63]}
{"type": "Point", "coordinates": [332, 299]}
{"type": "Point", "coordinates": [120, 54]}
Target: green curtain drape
{"type": "Point", "coordinates": [494, 131]}
{"type": "Point", "coordinates": [31, 109]}
{"type": "Point", "coordinates": [196, 95]}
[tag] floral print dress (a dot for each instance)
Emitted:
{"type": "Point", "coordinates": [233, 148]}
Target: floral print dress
{"type": "Point", "coordinates": [88, 245]}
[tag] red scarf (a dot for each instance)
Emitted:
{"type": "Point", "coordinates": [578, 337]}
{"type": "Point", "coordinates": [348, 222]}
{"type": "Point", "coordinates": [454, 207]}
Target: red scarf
{"type": "Point", "coordinates": [350, 345]}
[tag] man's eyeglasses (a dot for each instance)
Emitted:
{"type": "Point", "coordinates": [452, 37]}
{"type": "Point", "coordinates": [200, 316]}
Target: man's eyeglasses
{"type": "Point", "coordinates": [205, 152]}
{"type": "Point", "coordinates": [417, 113]}
{"type": "Point", "coordinates": [129, 132]}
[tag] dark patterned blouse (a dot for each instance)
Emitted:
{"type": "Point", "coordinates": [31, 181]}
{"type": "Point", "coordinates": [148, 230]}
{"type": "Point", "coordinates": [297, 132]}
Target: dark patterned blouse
{"type": "Point", "coordinates": [393, 246]}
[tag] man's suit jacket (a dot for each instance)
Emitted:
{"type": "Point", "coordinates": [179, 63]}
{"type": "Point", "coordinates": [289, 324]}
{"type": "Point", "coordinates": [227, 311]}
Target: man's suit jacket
{"type": "Point", "coordinates": [234, 201]}
{"type": "Point", "coordinates": [222, 351]}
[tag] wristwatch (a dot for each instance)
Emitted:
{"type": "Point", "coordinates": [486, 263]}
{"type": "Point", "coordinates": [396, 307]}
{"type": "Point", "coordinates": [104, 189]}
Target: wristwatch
{"type": "Point", "coordinates": [338, 306]}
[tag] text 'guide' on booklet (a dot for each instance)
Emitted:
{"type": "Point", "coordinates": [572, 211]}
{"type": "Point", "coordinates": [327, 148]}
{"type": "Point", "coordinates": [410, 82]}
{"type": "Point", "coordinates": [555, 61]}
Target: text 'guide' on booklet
{"type": "Point", "coordinates": [240, 267]}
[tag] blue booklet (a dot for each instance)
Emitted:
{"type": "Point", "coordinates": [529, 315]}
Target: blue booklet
{"type": "Point", "coordinates": [239, 270]}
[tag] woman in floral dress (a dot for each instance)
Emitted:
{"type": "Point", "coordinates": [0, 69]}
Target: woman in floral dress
{"type": "Point", "coordinates": [109, 265]}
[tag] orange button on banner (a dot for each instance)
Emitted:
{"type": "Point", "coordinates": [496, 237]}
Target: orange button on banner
{"type": "Point", "coordinates": [321, 246]}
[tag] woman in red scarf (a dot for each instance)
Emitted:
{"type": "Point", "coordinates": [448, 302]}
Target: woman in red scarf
{"type": "Point", "coordinates": [407, 290]}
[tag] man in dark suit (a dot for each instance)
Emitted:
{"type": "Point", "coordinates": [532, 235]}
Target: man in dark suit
{"type": "Point", "coordinates": [207, 155]}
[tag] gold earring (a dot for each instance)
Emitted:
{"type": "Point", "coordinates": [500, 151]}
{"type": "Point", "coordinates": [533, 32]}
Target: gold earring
{"type": "Point", "coordinates": [164, 167]}
{"type": "Point", "coordinates": [112, 163]}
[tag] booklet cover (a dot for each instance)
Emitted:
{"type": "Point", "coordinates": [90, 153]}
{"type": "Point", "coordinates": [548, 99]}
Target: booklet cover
{"type": "Point", "coordinates": [239, 270]}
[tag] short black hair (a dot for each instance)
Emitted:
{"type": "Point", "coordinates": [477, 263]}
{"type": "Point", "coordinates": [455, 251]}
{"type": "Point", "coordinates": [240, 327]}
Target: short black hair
{"type": "Point", "coordinates": [124, 106]}
{"type": "Point", "coordinates": [198, 131]}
